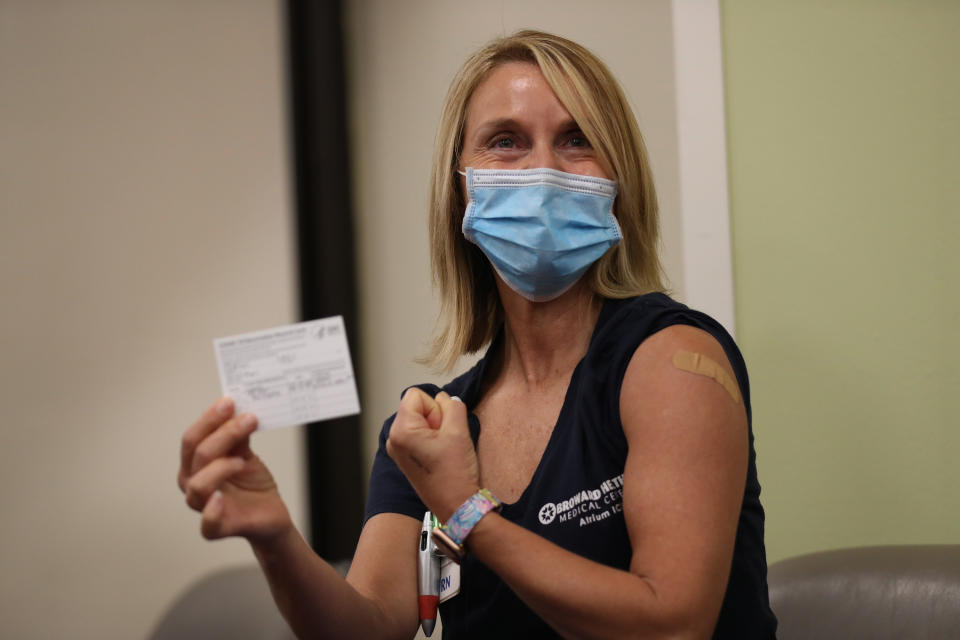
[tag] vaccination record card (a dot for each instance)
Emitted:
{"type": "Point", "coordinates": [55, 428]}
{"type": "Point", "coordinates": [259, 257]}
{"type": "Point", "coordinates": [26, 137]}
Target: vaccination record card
{"type": "Point", "coordinates": [289, 375]}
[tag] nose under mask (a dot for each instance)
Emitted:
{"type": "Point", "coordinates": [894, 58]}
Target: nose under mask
{"type": "Point", "coordinates": [541, 229]}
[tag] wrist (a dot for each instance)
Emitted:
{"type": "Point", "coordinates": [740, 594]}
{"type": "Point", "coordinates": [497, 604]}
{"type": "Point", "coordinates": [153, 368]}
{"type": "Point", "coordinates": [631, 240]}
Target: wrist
{"type": "Point", "coordinates": [447, 511]}
{"type": "Point", "coordinates": [451, 537]}
{"type": "Point", "coordinates": [271, 548]}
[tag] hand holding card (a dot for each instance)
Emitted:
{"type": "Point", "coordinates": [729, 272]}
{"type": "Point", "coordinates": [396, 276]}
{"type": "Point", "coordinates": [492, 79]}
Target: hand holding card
{"type": "Point", "coordinates": [272, 378]}
{"type": "Point", "coordinates": [290, 375]}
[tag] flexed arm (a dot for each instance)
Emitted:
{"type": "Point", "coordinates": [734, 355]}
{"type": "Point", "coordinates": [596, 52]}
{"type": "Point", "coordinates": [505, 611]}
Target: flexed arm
{"type": "Point", "coordinates": [683, 486]}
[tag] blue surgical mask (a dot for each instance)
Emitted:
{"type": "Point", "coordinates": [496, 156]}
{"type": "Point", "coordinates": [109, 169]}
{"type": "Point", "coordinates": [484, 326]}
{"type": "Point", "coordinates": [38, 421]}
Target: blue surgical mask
{"type": "Point", "coordinates": [541, 229]}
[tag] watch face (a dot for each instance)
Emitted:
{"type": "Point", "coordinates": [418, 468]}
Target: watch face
{"type": "Point", "coordinates": [448, 546]}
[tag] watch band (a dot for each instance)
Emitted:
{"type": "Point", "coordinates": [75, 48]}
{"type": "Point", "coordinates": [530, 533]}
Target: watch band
{"type": "Point", "coordinates": [451, 536]}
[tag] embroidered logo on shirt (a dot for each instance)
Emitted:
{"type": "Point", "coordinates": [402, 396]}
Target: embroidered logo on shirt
{"type": "Point", "coordinates": [592, 505]}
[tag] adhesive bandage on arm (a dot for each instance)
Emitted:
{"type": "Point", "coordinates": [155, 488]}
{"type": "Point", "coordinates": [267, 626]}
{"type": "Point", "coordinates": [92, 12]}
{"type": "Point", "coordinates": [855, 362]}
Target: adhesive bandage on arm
{"type": "Point", "coordinates": [702, 365]}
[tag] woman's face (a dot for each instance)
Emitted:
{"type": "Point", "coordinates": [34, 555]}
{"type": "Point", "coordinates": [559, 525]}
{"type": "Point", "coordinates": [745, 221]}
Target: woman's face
{"type": "Point", "coordinates": [515, 121]}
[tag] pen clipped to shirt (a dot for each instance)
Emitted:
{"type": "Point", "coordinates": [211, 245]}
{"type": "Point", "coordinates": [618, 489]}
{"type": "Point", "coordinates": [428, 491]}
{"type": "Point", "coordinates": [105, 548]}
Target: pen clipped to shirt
{"type": "Point", "coordinates": [428, 565]}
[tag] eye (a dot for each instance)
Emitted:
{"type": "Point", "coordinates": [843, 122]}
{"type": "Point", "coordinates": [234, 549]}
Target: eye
{"type": "Point", "coordinates": [577, 139]}
{"type": "Point", "coordinates": [503, 142]}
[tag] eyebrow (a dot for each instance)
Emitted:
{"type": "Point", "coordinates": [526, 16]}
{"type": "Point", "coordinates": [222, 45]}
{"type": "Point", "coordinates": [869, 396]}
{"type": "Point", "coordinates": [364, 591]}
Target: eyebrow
{"type": "Point", "coordinates": [500, 123]}
{"type": "Point", "coordinates": [511, 123]}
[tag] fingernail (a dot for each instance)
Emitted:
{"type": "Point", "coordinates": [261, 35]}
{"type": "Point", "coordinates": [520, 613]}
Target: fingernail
{"type": "Point", "coordinates": [248, 421]}
{"type": "Point", "coordinates": [457, 398]}
{"type": "Point", "coordinates": [224, 405]}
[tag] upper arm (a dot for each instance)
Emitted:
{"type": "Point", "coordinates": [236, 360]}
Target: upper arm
{"type": "Point", "coordinates": [384, 569]}
{"type": "Point", "coordinates": [685, 474]}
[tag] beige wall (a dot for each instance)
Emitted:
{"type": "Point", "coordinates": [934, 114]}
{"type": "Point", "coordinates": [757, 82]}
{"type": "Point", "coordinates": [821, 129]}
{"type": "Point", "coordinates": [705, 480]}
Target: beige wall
{"type": "Point", "coordinates": [402, 56]}
{"type": "Point", "coordinates": [144, 210]}
{"type": "Point", "coordinates": [844, 138]}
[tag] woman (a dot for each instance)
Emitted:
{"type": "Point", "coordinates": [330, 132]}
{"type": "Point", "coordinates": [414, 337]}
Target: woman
{"type": "Point", "coordinates": [615, 422]}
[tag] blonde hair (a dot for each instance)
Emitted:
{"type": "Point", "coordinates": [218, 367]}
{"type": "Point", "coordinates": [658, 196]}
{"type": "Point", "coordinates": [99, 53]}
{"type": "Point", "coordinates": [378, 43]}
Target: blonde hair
{"type": "Point", "coordinates": [471, 312]}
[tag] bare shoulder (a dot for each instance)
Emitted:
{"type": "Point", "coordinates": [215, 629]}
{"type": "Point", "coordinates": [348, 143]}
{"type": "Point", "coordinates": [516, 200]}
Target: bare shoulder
{"type": "Point", "coordinates": [680, 372]}
{"type": "Point", "coordinates": [676, 337]}
{"type": "Point", "coordinates": [686, 468]}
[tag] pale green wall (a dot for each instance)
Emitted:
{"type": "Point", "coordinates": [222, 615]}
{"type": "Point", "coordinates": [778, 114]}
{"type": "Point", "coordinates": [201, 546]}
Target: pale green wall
{"type": "Point", "coordinates": [844, 141]}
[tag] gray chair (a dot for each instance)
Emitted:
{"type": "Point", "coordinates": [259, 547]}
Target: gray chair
{"type": "Point", "coordinates": [228, 604]}
{"type": "Point", "coordinates": [874, 593]}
